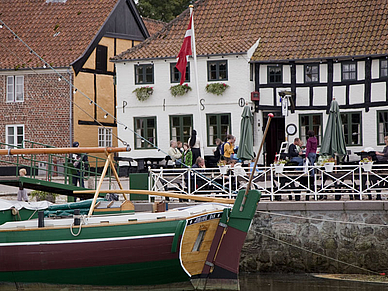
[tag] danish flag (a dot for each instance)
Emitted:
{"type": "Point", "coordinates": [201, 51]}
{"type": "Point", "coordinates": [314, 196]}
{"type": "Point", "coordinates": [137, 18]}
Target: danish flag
{"type": "Point", "coordinates": [185, 52]}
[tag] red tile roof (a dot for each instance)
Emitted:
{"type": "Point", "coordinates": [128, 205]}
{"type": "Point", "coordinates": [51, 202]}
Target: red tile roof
{"type": "Point", "coordinates": [288, 29]}
{"type": "Point", "coordinates": [59, 32]}
{"type": "Point", "coordinates": [153, 26]}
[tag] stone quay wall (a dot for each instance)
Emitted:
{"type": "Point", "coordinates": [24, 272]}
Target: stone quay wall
{"type": "Point", "coordinates": [280, 241]}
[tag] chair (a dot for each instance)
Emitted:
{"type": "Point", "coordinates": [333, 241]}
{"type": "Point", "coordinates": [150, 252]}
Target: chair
{"type": "Point", "coordinates": [282, 151]}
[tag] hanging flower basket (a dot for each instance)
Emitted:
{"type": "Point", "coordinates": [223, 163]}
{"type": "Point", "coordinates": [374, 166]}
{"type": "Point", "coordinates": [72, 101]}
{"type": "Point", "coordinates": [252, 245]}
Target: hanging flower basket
{"type": "Point", "coordinates": [367, 166]}
{"type": "Point", "coordinates": [143, 93]}
{"type": "Point", "coordinates": [329, 166]}
{"type": "Point", "coordinates": [279, 167]}
{"type": "Point", "coordinates": [224, 169]}
{"type": "Point", "coordinates": [216, 88]}
{"type": "Point", "coordinates": [179, 90]}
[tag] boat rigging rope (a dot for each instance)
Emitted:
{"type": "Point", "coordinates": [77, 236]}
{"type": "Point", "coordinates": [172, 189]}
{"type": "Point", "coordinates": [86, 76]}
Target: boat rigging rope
{"type": "Point", "coordinates": [82, 217]}
{"type": "Point", "coordinates": [318, 254]}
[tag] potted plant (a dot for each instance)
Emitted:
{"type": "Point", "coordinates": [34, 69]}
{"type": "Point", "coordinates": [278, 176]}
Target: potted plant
{"type": "Point", "coordinates": [216, 88]}
{"type": "Point", "coordinates": [179, 90]}
{"type": "Point", "coordinates": [223, 167]}
{"type": "Point", "coordinates": [279, 166]}
{"type": "Point", "coordinates": [42, 195]}
{"type": "Point", "coordinates": [366, 164]}
{"type": "Point", "coordinates": [143, 93]}
{"type": "Point", "coordinates": [328, 163]}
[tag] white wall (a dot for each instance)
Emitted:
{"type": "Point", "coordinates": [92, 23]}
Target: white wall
{"type": "Point", "coordinates": [162, 104]}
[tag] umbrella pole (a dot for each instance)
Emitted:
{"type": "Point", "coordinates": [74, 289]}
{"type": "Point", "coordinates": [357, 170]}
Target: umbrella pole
{"type": "Point", "coordinates": [270, 115]}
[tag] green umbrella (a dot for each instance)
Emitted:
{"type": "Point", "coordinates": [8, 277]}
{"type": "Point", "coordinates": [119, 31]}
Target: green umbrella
{"type": "Point", "coordinates": [334, 140]}
{"type": "Point", "coordinates": [245, 149]}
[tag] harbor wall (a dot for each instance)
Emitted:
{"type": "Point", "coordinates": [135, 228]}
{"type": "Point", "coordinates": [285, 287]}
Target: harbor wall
{"type": "Point", "coordinates": [310, 237]}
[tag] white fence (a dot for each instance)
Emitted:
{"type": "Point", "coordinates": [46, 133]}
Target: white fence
{"type": "Point", "coordinates": [276, 184]}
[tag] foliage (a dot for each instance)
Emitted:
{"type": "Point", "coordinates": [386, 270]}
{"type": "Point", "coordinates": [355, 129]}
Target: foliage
{"type": "Point", "coordinates": [164, 10]}
{"type": "Point", "coordinates": [279, 162]}
{"type": "Point", "coordinates": [143, 93]}
{"type": "Point", "coordinates": [322, 160]}
{"type": "Point", "coordinates": [179, 90]}
{"type": "Point", "coordinates": [42, 195]}
{"type": "Point", "coordinates": [366, 160]}
{"type": "Point", "coordinates": [216, 88]}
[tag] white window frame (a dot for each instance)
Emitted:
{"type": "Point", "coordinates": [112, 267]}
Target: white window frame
{"type": "Point", "coordinates": [104, 137]}
{"type": "Point", "coordinates": [15, 135]}
{"type": "Point", "coordinates": [15, 88]}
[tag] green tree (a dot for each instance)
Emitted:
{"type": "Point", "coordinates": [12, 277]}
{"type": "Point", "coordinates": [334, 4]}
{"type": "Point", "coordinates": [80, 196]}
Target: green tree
{"type": "Point", "coordinates": [164, 10]}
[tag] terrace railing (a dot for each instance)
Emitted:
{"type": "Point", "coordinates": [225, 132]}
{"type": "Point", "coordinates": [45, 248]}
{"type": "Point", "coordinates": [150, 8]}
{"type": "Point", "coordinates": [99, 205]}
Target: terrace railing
{"type": "Point", "coordinates": [275, 184]}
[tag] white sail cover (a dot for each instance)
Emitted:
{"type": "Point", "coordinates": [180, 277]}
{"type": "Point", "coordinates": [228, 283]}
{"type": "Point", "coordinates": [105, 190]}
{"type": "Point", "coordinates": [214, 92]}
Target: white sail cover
{"type": "Point", "coordinates": [8, 204]}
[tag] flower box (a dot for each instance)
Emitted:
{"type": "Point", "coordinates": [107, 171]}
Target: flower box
{"type": "Point", "coordinates": [367, 166]}
{"type": "Point", "coordinates": [329, 167]}
{"type": "Point", "coordinates": [279, 168]}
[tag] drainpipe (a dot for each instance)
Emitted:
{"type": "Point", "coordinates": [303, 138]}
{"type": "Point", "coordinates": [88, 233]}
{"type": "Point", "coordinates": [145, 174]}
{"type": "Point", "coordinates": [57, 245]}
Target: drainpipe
{"type": "Point", "coordinates": [70, 106]}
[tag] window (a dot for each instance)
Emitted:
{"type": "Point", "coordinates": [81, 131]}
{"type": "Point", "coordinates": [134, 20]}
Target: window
{"type": "Point", "coordinates": [217, 70]}
{"type": "Point", "coordinates": [14, 135]}
{"type": "Point", "coordinates": [101, 58]}
{"type": "Point", "coordinates": [349, 71]}
{"type": "Point", "coordinates": [15, 88]}
{"type": "Point", "coordinates": [176, 75]}
{"type": "Point", "coordinates": [144, 74]}
{"type": "Point", "coordinates": [218, 126]}
{"type": "Point", "coordinates": [180, 127]}
{"type": "Point", "coordinates": [351, 123]}
{"type": "Point", "coordinates": [275, 74]}
{"type": "Point", "coordinates": [104, 137]}
{"type": "Point", "coordinates": [145, 127]}
{"type": "Point", "coordinates": [310, 122]}
{"type": "Point", "coordinates": [383, 68]}
{"type": "Point", "coordinates": [382, 127]}
{"type": "Point", "coordinates": [311, 73]}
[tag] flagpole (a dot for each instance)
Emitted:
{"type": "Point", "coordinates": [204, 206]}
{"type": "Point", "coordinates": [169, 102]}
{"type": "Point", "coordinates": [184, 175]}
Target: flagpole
{"type": "Point", "coordinates": [199, 128]}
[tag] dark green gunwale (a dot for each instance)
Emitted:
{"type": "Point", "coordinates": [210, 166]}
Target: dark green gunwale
{"type": "Point", "coordinates": [149, 273]}
{"type": "Point", "coordinates": [90, 232]}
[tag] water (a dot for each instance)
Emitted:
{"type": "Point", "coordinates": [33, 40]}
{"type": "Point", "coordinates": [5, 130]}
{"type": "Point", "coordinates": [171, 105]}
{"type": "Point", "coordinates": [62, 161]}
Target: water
{"type": "Point", "coordinates": [248, 282]}
{"type": "Point", "coordinates": [302, 282]}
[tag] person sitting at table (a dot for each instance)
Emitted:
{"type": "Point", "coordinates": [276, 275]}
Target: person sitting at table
{"type": "Point", "coordinates": [174, 153]}
{"type": "Point", "coordinates": [383, 156]}
{"type": "Point", "coordinates": [187, 157]}
{"type": "Point", "coordinates": [294, 152]}
{"type": "Point", "coordinates": [200, 181]}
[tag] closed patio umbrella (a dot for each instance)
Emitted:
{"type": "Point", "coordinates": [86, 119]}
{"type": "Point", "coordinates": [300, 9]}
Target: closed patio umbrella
{"type": "Point", "coordinates": [245, 149]}
{"type": "Point", "coordinates": [333, 142]}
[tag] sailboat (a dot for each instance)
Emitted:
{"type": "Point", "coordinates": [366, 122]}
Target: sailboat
{"type": "Point", "coordinates": [198, 245]}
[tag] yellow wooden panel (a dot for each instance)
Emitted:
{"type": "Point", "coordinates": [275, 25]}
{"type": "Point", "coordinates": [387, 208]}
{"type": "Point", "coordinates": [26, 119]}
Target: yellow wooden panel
{"type": "Point", "coordinates": [194, 261]}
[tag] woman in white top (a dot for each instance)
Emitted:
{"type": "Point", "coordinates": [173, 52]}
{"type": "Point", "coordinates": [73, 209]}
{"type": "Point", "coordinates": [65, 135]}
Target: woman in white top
{"type": "Point", "coordinates": [195, 145]}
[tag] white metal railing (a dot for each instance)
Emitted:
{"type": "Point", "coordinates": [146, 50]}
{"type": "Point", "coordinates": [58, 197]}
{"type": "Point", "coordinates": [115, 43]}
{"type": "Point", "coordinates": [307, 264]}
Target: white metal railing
{"type": "Point", "coordinates": [316, 181]}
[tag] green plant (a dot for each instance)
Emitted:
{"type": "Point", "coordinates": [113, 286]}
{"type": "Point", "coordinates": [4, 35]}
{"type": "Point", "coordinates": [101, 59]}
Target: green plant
{"type": "Point", "coordinates": [179, 90]}
{"type": "Point", "coordinates": [279, 162]}
{"type": "Point", "coordinates": [43, 195]}
{"type": "Point", "coordinates": [216, 88]}
{"type": "Point", "coordinates": [366, 160]}
{"type": "Point", "coordinates": [143, 93]}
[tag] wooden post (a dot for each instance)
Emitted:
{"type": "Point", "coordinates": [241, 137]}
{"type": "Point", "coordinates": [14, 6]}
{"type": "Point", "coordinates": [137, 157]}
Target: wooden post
{"type": "Point", "coordinates": [99, 185]}
{"type": "Point", "coordinates": [117, 177]}
{"type": "Point", "coordinates": [270, 115]}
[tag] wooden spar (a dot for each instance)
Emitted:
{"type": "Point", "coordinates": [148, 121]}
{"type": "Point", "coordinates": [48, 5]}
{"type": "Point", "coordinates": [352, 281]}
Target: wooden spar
{"type": "Point", "coordinates": [270, 115]}
{"type": "Point", "coordinates": [161, 193]}
{"type": "Point", "coordinates": [72, 150]}
{"type": "Point", "coordinates": [112, 166]}
{"type": "Point", "coordinates": [97, 192]}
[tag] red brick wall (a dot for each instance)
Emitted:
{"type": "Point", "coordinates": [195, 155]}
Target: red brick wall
{"type": "Point", "coordinates": [45, 111]}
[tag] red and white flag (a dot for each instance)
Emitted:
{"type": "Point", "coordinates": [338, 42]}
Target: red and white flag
{"type": "Point", "coordinates": [185, 52]}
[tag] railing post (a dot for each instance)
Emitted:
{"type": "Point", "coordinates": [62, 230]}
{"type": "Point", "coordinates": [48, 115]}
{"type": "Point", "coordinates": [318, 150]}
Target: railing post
{"type": "Point", "coordinates": [272, 181]}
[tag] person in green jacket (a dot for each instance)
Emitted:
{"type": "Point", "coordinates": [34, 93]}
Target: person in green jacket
{"type": "Point", "coordinates": [187, 156]}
